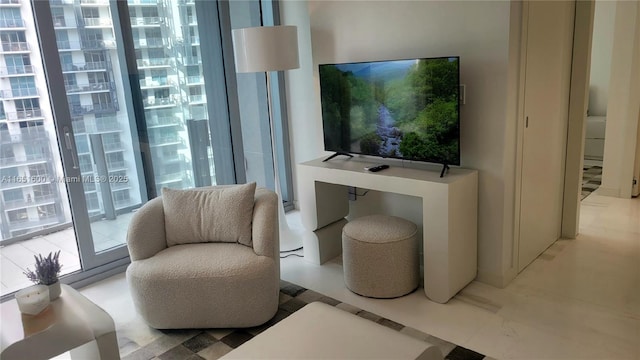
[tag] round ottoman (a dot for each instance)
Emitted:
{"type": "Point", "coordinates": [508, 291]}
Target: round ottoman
{"type": "Point", "coordinates": [380, 256]}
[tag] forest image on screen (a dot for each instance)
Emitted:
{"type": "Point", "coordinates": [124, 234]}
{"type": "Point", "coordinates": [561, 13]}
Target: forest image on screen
{"type": "Point", "coordinates": [402, 109]}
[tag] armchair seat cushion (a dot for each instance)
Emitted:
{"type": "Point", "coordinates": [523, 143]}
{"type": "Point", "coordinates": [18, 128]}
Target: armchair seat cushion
{"type": "Point", "coordinates": [202, 261]}
{"type": "Point", "coordinates": [209, 284]}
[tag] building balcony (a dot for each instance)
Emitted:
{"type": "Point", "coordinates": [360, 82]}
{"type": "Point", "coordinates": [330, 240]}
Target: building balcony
{"type": "Point", "coordinates": [94, 2]}
{"type": "Point", "coordinates": [88, 66]}
{"type": "Point", "coordinates": [87, 170]}
{"type": "Point", "coordinates": [16, 70]}
{"type": "Point", "coordinates": [116, 186]}
{"type": "Point", "coordinates": [27, 134]}
{"type": "Point", "coordinates": [150, 83]}
{"type": "Point", "coordinates": [122, 203]}
{"type": "Point", "coordinates": [96, 126]}
{"type": "Point", "coordinates": [98, 44]}
{"type": "Point", "coordinates": [25, 115]}
{"type": "Point", "coordinates": [159, 83]}
{"type": "Point", "coordinates": [143, 2]}
{"type": "Point", "coordinates": [69, 45]}
{"type": "Point", "coordinates": [11, 23]}
{"type": "Point", "coordinates": [78, 110]}
{"type": "Point", "coordinates": [191, 60]}
{"type": "Point", "coordinates": [162, 122]}
{"type": "Point", "coordinates": [172, 143]}
{"type": "Point", "coordinates": [112, 147]}
{"type": "Point", "coordinates": [11, 3]}
{"type": "Point", "coordinates": [61, 2]}
{"type": "Point", "coordinates": [24, 160]}
{"type": "Point", "coordinates": [20, 225]}
{"type": "Point", "coordinates": [15, 47]}
{"type": "Point", "coordinates": [21, 204]}
{"type": "Point", "coordinates": [155, 62]}
{"type": "Point", "coordinates": [59, 23]}
{"type": "Point", "coordinates": [169, 178]}
{"type": "Point", "coordinates": [90, 88]}
{"type": "Point", "coordinates": [97, 22]}
{"type": "Point", "coordinates": [5, 137]}
{"type": "Point", "coordinates": [197, 99]}
{"type": "Point", "coordinates": [14, 184]}
{"type": "Point", "coordinates": [149, 42]}
{"type": "Point", "coordinates": [163, 139]}
{"type": "Point", "coordinates": [165, 159]}
{"type": "Point", "coordinates": [159, 102]}
{"type": "Point", "coordinates": [166, 139]}
{"type": "Point", "coordinates": [116, 165]}
{"type": "Point", "coordinates": [195, 80]}
{"type": "Point", "coordinates": [107, 124]}
{"type": "Point", "coordinates": [19, 93]}
{"type": "Point", "coordinates": [147, 21]}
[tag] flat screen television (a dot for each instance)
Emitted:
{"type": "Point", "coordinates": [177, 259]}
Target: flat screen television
{"type": "Point", "coordinates": [404, 109]}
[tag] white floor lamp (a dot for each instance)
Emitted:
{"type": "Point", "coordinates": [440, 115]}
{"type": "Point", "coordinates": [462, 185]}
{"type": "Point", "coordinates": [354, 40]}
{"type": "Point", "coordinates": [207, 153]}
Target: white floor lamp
{"type": "Point", "coordinates": [266, 49]}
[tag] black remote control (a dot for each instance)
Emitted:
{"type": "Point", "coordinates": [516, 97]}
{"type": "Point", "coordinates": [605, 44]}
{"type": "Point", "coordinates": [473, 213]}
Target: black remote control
{"type": "Point", "coordinates": [378, 168]}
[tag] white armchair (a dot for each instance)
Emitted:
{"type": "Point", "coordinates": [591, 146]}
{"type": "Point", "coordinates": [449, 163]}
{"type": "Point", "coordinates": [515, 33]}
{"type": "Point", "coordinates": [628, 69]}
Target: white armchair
{"type": "Point", "coordinates": [178, 283]}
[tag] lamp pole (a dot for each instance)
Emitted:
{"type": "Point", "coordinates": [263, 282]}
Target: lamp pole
{"type": "Point", "coordinates": [266, 49]}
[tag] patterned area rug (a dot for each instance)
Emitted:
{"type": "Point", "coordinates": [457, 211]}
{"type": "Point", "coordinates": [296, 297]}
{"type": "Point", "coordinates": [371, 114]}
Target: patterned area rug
{"type": "Point", "coordinates": [214, 343]}
{"type": "Point", "coordinates": [591, 179]}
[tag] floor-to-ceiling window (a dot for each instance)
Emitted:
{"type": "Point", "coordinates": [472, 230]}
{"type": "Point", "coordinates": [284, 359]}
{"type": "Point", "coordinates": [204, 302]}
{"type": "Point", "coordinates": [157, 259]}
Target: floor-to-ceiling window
{"type": "Point", "coordinates": [104, 104]}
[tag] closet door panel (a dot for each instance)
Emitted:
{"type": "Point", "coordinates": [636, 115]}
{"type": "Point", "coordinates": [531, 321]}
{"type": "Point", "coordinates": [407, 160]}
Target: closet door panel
{"type": "Point", "coordinates": [546, 101]}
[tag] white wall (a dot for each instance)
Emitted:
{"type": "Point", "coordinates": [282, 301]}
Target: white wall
{"type": "Point", "coordinates": [602, 44]}
{"type": "Point", "coordinates": [477, 31]}
{"type": "Point", "coordinates": [624, 103]}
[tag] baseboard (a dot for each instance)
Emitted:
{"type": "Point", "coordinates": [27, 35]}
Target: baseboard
{"type": "Point", "coordinates": [493, 279]}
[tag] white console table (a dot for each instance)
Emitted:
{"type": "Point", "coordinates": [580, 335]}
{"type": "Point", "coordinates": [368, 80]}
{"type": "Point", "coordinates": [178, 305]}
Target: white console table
{"type": "Point", "coordinates": [449, 213]}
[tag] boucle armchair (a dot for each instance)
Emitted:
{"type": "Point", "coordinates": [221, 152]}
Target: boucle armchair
{"type": "Point", "coordinates": [206, 258]}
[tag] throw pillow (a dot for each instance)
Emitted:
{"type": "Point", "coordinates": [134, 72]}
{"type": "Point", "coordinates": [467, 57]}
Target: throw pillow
{"type": "Point", "coordinates": [212, 214]}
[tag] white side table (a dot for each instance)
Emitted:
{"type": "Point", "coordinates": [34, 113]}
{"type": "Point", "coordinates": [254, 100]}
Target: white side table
{"type": "Point", "coordinates": [70, 323]}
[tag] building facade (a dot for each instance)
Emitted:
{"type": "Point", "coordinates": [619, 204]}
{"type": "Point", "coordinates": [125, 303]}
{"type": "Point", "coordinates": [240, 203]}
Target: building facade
{"type": "Point", "coordinates": [169, 68]}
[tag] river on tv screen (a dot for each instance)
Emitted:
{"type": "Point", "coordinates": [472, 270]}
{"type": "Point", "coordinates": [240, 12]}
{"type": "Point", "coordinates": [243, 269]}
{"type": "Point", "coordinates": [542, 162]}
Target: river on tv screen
{"type": "Point", "coordinates": [402, 109]}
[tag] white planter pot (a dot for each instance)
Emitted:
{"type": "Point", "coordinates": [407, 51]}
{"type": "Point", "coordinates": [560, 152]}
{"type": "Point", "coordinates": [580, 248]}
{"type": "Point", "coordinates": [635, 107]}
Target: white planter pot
{"type": "Point", "coordinates": [54, 290]}
{"type": "Point", "coordinates": [33, 299]}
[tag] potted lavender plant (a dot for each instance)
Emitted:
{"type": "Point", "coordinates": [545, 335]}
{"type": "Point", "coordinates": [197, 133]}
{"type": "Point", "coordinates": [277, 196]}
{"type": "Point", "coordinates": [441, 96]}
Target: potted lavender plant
{"type": "Point", "coordinates": [46, 272]}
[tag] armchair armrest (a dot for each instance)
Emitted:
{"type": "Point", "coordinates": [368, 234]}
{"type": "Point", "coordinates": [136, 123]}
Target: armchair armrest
{"type": "Point", "coordinates": [265, 231]}
{"type": "Point", "coordinates": [146, 234]}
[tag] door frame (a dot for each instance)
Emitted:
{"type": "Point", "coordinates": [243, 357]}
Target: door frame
{"type": "Point", "coordinates": [574, 144]}
{"type": "Point", "coordinates": [578, 105]}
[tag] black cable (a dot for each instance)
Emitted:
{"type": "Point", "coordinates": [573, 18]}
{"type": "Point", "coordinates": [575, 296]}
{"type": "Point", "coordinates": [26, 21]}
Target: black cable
{"type": "Point", "coordinates": [288, 251]}
{"type": "Point", "coordinates": [286, 256]}
{"type": "Point", "coordinates": [356, 193]}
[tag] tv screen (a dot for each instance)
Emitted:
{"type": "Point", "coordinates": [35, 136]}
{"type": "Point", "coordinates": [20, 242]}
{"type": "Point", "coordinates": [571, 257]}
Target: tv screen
{"type": "Point", "coordinates": [405, 109]}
